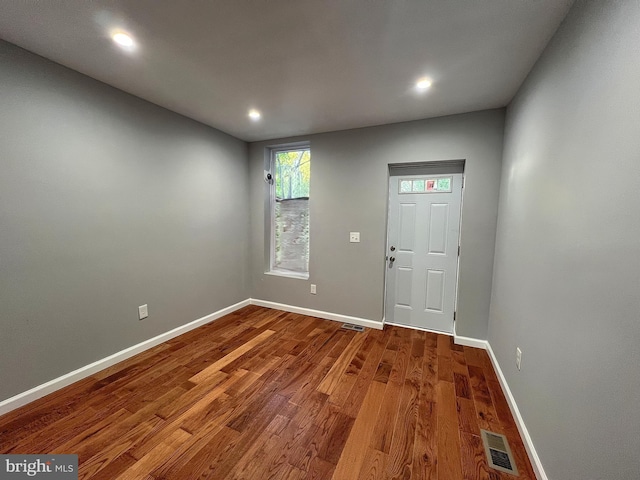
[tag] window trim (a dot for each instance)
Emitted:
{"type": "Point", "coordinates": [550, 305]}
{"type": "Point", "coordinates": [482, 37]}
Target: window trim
{"type": "Point", "coordinates": [271, 198]}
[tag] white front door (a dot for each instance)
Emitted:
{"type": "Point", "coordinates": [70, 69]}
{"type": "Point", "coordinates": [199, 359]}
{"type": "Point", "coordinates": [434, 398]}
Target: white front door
{"type": "Point", "coordinates": [422, 263]}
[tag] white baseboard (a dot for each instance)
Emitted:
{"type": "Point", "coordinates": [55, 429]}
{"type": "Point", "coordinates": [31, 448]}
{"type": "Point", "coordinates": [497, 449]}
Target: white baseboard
{"type": "Point", "coordinates": [83, 372]}
{"type": "Point", "coordinates": [524, 433]}
{"type": "Point", "coordinates": [470, 342]}
{"type": "Point", "coordinates": [320, 314]}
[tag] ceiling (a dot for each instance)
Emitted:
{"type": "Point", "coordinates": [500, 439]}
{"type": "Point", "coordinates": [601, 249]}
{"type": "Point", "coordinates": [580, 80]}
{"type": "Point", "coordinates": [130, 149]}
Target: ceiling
{"type": "Point", "coordinates": [309, 66]}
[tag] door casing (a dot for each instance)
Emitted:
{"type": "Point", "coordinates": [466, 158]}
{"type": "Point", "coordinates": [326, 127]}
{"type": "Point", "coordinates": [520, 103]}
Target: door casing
{"type": "Point", "coordinates": [446, 167]}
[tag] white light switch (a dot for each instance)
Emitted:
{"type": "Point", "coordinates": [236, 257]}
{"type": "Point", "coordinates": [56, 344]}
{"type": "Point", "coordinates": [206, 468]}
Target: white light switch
{"type": "Point", "coordinates": [354, 237]}
{"type": "Point", "coordinates": [313, 289]}
{"type": "Point", "coordinates": [143, 311]}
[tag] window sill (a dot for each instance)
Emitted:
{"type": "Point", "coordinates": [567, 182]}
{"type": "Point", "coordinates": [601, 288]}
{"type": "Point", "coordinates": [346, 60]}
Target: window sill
{"type": "Point", "coordinates": [288, 274]}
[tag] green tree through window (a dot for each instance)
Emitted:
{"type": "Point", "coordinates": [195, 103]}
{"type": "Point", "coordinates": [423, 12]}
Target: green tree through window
{"type": "Point", "coordinates": [293, 174]}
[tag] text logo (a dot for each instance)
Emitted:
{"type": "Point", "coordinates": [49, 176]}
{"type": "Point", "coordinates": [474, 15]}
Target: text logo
{"type": "Point", "coordinates": [50, 467]}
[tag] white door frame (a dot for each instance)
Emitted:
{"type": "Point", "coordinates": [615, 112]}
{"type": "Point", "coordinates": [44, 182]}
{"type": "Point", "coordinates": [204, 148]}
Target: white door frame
{"type": "Point", "coordinates": [427, 168]}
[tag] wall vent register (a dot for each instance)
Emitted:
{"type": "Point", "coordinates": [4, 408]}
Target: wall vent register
{"type": "Point", "coordinates": [498, 453]}
{"type": "Point", "coordinates": [351, 326]}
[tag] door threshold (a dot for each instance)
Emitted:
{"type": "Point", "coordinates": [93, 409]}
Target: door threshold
{"type": "Point", "coordinates": [411, 327]}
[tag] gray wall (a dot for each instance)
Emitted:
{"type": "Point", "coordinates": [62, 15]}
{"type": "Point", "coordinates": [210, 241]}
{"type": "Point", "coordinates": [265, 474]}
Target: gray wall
{"type": "Point", "coordinates": [349, 193]}
{"type": "Point", "coordinates": [107, 202]}
{"type": "Point", "coordinates": [567, 267]}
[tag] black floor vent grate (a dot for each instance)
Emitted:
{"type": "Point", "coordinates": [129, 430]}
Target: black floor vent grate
{"type": "Point", "coordinates": [351, 326]}
{"type": "Point", "coordinates": [499, 454]}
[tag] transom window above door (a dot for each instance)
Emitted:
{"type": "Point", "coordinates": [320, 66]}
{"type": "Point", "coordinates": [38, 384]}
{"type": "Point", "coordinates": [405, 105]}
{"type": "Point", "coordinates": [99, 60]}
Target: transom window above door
{"type": "Point", "coordinates": [425, 185]}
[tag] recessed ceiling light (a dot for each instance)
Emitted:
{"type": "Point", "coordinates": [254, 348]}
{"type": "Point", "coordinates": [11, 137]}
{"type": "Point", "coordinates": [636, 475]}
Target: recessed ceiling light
{"type": "Point", "coordinates": [123, 39]}
{"type": "Point", "coordinates": [423, 84]}
{"type": "Point", "coordinates": [254, 115]}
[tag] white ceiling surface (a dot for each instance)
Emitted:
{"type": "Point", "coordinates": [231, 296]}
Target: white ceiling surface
{"type": "Point", "coordinates": [308, 65]}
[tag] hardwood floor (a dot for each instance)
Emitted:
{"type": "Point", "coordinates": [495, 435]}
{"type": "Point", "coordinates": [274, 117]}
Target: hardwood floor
{"type": "Point", "coordinates": [264, 394]}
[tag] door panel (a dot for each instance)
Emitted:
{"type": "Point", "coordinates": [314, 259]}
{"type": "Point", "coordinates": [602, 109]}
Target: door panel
{"type": "Point", "coordinates": [407, 227]}
{"type": "Point", "coordinates": [403, 286]}
{"type": "Point", "coordinates": [435, 291]}
{"type": "Point", "coordinates": [438, 228]}
{"type": "Point", "coordinates": [424, 219]}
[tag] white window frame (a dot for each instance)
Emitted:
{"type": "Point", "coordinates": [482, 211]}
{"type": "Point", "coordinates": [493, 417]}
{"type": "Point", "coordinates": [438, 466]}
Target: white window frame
{"type": "Point", "coordinates": [271, 270]}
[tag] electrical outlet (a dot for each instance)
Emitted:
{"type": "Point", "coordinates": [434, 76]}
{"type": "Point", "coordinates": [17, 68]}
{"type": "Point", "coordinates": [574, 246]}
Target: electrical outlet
{"type": "Point", "coordinates": [313, 289]}
{"type": "Point", "coordinates": [518, 357]}
{"type": "Point", "coordinates": [354, 237]}
{"type": "Point", "coordinates": [143, 311]}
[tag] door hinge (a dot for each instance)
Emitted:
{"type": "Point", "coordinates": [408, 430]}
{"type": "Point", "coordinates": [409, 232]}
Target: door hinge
{"type": "Point", "coordinates": [454, 316]}
{"type": "Point", "coordinates": [458, 250]}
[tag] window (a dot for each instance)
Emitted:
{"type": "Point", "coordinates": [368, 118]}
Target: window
{"type": "Point", "coordinates": [426, 185]}
{"type": "Point", "coordinates": [289, 199]}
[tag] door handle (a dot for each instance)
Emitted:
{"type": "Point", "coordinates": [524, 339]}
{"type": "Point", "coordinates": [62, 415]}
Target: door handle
{"type": "Point", "coordinates": [392, 259]}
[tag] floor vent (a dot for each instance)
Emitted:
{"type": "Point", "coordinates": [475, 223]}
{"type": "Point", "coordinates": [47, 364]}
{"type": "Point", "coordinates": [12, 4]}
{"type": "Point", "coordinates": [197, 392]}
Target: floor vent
{"type": "Point", "coordinates": [498, 452]}
{"type": "Point", "coordinates": [351, 326]}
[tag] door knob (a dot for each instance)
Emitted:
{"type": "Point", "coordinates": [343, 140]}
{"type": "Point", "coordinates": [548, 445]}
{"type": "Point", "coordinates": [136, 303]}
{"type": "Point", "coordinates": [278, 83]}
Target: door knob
{"type": "Point", "coordinates": [392, 259]}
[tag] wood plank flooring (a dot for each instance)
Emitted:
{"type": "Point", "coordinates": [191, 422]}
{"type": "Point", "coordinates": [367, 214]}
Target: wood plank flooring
{"type": "Point", "coordinates": [265, 394]}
